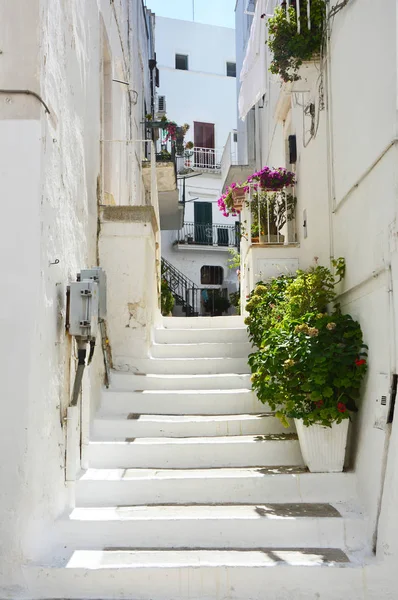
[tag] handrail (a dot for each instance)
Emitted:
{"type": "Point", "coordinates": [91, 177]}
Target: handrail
{"type": "Point", "coordinates": [208, 234]}
{"type": "Point", "coordinates": [184, 290]}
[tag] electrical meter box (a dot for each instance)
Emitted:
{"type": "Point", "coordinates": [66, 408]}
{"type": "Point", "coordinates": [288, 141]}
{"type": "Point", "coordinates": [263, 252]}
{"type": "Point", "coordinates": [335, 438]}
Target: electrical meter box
{"type": "Point", "coordinates": [83, 308]}
{"type": "Point", "coordinates": [97, 274]}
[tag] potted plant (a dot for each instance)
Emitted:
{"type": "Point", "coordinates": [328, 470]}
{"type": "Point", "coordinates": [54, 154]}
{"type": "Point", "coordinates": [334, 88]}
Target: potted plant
{"type": "Point", "coordinates": [310, 363]}
{"type": "Point", "coordinates": [290, 47]}
{"type": "Point", "coordinates": [216, 303]}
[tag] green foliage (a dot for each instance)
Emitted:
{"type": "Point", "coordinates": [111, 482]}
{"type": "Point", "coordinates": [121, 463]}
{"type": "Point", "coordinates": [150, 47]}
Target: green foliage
{"type": "Point", "coordinates": [166, 299]}
{"type": "Point", "coordinates": [289, 47]}
{"type": "Point", "coordinates": [235, 300]}
{"type": "Point", "coordinates": [309, 364]}
{"type": "Point", "coordinates": [234, 259]}
{"type": "Point", "coordinates": [216, 302]}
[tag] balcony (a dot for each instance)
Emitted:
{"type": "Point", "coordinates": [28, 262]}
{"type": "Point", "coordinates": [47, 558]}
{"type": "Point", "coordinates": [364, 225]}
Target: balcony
{"type": "Point", "coordinates": [202, 160]}
{"type": "Point", "coordinates": [194, 236]}
{"type": "Point", "coordinates": [231, 170]}
{"type": "Point", "coordinates": [171, 213]}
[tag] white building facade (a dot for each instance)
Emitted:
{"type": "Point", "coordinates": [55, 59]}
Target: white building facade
{"type": "Point", "coordinates": [341, 117]}
{"type": "Point", "coordinates": [198, 88]}
{"type": "Point", "coordinates": [76, 82]}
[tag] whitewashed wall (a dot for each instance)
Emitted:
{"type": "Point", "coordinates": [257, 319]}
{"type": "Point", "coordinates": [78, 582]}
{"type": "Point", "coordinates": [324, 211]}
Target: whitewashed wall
{"type": "Point", "coordinates": [350, 197]}
{"type": "Point", "coordinates": [50, 176]}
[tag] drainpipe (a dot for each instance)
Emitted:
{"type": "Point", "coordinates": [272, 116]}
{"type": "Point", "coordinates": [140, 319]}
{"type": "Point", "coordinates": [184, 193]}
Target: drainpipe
{"type": "Point", "coordinates": [329, 134]}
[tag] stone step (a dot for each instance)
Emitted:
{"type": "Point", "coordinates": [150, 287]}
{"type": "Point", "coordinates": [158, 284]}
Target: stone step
{"type": "Point", "coordinates": [197, 336]}
{"type": "Point", "coordinates": [191, 366]}
{"type": "Point", "coordinates": [214, 526]}
{"type": "Point", "coordinates": [228, 322]}
{"type": "Point", "coordinates": [222, 381]}
{"type": "Point", "coordinates": [181, 402]}
{"type": "Point", "coordinates": [202, 350]}
{"type": "Point", "coordinates": [196, 453]}
{"type": "Point", "coordinates": [116, 574]}
{"type": "Point", "coordinates": [125, 487]}
{"type": "Point", "coordinates": [133, 425]}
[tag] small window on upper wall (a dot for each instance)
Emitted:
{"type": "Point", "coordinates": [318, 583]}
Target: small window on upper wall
{"type": "Point", "coordinates": [231, 69]}
{"type": "Point", "coordinates": [210, 275]}
{"type": "Point", "coordinates": [182, 62]}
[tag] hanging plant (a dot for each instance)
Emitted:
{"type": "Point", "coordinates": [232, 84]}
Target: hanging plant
{"type": "Point", "coordinates": [290, 48]}
{"type": "Point", "coordinates": [272, 179]}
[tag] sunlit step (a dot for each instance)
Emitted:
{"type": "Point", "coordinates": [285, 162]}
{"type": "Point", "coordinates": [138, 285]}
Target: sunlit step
{"type": "Point", "coordinates": [192, 366]}
{"type": "Point", "coordinates": [214, 526]}
{"type": "Point", "coordinates": [129, 381]}
{"type": "Point", "coordinates": [202, 350]}
{"type": "Point", "coordinates": [124, 487]}
{"type": "Point", "coordinates": [196, 336]}
{"type": "Point", "coordinates": [204, 452]}
{"type": "Point", "coordinates": [227, 322]}
{"type": "Point", "coordinates": [181, 402]}
{"type": "Point", "coordinates": [116, 574]}
{"type": "Point", "coordinates": [134, 425]}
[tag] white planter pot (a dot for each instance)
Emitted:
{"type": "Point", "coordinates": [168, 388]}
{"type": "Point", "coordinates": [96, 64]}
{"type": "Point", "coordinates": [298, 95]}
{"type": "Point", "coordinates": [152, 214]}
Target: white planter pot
{"type": "Point", "coordinates": [323, 448]}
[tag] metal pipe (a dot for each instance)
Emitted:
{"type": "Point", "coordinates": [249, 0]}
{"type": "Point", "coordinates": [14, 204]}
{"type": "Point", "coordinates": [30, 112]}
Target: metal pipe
{"type": "Point", "coordinates": [28, 93]}
{"type": "Point", "coordinates": [81, 353]}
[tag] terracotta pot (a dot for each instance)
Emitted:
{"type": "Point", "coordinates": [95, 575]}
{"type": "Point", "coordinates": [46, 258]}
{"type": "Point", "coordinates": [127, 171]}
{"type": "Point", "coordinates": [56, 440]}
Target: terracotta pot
{"type": "Point", "coordinates": [323, 448]}
{"type": "Point", "coordinates": [238, 197]}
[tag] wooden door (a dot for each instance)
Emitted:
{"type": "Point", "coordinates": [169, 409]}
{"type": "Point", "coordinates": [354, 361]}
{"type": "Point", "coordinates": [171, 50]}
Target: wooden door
{"type": "Point", "coordinates": [203, 223]}
{"type": "Point", "coordinates": [204, 138]}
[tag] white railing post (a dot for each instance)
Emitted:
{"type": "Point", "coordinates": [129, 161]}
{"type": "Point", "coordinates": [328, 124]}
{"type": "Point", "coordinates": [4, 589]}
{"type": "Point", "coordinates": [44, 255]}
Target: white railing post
{"type": "Point", "coordinates": [287, 11]}
{"type": "Point", "coordinates": [309, 13]}
{"type": "Point", "coordinates": [249, 216]}
{"type": "Point", "coordinates": [287, 220]}
{"type": "Point", "coordinates": [298, 16]}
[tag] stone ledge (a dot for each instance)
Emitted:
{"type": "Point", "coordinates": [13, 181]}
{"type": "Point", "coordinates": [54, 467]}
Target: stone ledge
{"type": "Point", "coordinates": [129, 214]}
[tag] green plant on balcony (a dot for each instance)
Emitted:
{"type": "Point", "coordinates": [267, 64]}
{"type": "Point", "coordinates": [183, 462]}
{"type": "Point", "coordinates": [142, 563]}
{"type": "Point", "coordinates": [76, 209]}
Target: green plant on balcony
{"type": "Point", "coordinates": [290, 48]}
{"type": "Point", "coordinates": [270, 213]}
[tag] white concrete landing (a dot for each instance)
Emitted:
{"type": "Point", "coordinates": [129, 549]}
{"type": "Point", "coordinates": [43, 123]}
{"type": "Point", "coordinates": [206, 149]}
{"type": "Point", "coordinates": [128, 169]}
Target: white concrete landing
{"type": "Point", "coordinates": [257, 574]}
{"type": "Point", "coordinates": [187, 323]}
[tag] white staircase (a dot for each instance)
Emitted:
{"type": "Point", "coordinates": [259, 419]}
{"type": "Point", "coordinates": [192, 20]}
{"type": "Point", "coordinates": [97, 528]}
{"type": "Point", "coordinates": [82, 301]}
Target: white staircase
{"type": "Point", "coordinates": [195, 491]}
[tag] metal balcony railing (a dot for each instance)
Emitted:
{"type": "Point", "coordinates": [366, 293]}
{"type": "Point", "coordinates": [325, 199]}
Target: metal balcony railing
{"type": "Point", "coordinates": [203, 159]}
{"type": "Point", "coordinates": [226, 236]}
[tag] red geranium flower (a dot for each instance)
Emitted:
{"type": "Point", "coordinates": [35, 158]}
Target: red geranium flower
{"type": "Point", "coordinates": [360, 362]}
{"type": "Point", "coordinates": [319, 404]}
{"type": "Point", "coordinates": [341, 407]}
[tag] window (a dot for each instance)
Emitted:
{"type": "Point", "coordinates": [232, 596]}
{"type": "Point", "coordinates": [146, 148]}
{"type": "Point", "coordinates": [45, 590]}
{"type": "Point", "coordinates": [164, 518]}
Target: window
{"type": "Point", "coordinates": [231, 69]}
{"type": "Point", "coordinates": [210, 275]}
{"type": "Point", "coordinates": [235, 136]}
{"type": "Point", "coordinates": [182, 62]}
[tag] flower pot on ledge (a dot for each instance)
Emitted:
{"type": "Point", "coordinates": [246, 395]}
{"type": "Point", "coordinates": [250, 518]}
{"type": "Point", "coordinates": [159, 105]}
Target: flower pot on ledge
{"type": "Point", "coordinates": [238, 197]}
{"type": "Point", "coordinates": [323, 448]}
